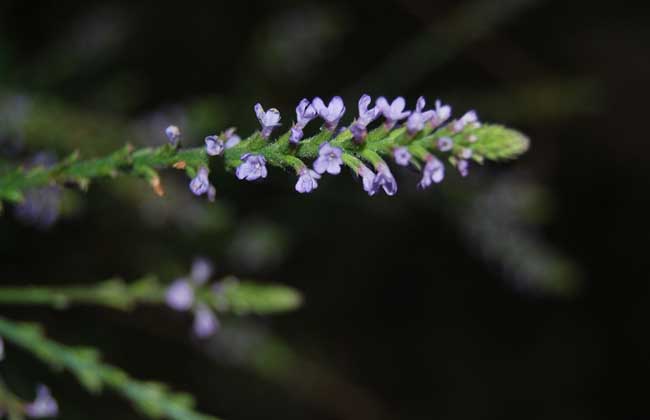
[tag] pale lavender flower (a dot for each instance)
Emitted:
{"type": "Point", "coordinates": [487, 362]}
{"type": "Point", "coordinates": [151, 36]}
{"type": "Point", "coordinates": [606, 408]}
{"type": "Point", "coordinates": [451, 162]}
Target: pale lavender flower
{"type": "Point", "coordinates": [463, 167]}
{"type": "Point", "coordinates": [402, 155]}
{"type": "Point", "coordinates": [442, 114]}
{"type": "Point", "coordinates": [205, 322]}
{"type": "Point", "coordinates": [469, 117]}
{"type": "Point", "coordinates": [201, 271]}
{"type": "Point", "coordinates": [43, 406]}
{"type": "Point", "coordinates": [466, 153]}
{"type": "Point", "coordinates": [331, 113]}
{"type": "Point", "coordinates": [40, 207]}
{"type": "Point", "coordinates": [433, 172]}
{"type": "Point", "coordinates": [296, 135]}
{"type": "Point", "coordinates": [252, 168]}
{"type": "Point", "coordinates": [383, 179]}
{"type": "Point", "coordinates": [445, 144]}
{"type": "Point", "coordinates": [200, 184]}
{"type": "Point", "coordinates": [232, 141]}
{"type": "Point", "coordinates": [393, 112]}
{"type": "Point", "coordinates": [305, 112]}
{"type": "Point", "coordinates": [214, 146]}
{"type": "Point", "coordinates": [180, 295]}
{"type": "Point", "coordinates": [231, 138]}
{"type": "Point", "coordinates": [307, 181]}
{"type": "Point", "coordinates": [329, 159]}
{"type": "Point", "coordinates": [419, 117]}
{"type": "Point", "coordinates": [173, 133]}
{"type": "Point", "coordinates": [359, 128]}
{"type": "Point", "coordinates": [269, 119]}
{"type": "Point", "coordinates": [368, 178]}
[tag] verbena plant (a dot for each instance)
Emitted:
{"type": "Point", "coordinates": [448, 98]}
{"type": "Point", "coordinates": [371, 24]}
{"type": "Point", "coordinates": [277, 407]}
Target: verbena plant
{"type": "Point", "coordinates": [429, 141]}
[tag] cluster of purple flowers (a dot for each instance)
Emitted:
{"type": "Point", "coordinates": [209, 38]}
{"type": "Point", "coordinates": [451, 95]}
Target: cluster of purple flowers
{"type": "Point", "coordinates": [44, 405]}
{"type": "Point", "coordinates": [330, 157]}
{"type": "Point", "coordinates": [180, 296]}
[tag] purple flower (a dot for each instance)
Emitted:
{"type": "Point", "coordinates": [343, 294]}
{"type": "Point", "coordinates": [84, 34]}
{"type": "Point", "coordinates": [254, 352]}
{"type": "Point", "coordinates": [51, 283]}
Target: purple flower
{"type": "Point", "coordinates": [173, 133]}
{"type": "Point", "coordinates": [43, 406]}
{"type": "Point", "coordinates": [433, 172]}
{"type": "Point", "coordinates": [331, 113]}
{"type": "Point", "coordinates": [202, 269]}
{"type": "Point", "coordinates": [366, 116]}
{"type": "Point", "coordinates": [419, 117]}
{"type": "Point", "coordinates": [269, 119]}
{"type": "Point", "coordinates": [180, 295]}
{"type": "Point", "coordinates": [402, 155]}
{"type": "Point", "coordinates": [445, 144]}
{"type": "Point", "coordinates": [392, 112]}
{"type": "Point", "coordinates": [305, 112]}
{"type": "Point", "coordinates": [231, 138]}
{"type": "Point", "coordinates": [254, 167]}
{"type": "Point", "coordinates": [442, 114]}
{"type": "Point", "coordinates": [296, 135]}
{"type": "Point", "coordinates": [383, 179]}
{"type": "Point", "coordinates": [307, 181]}
{"type": "Point", "coordinates": [200, 184]}
{"type": "Point", "coordinates": [465, 153]}
{"type": "Point", "coordinates": [329, 159]}
{"type": "Point", "coordinates": [463, 167]}
{"type": "Point", "coordinates": [40, 207]}
{"type": "Point", "coordinates": [214, 146]}
{"type": "Point", "coordinates": [368, 178]}
{"type": "Point", "coordinates": [469, 117]}
{"type": "Point", "coordinates": [205, 322]}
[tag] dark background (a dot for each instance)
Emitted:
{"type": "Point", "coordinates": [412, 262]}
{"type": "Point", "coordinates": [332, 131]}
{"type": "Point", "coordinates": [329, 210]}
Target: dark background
{"type": "Point", "coordinates": [519, 292]}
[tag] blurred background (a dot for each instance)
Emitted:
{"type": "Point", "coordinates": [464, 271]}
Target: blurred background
{"type": "Point", "coordinates": [520, 291]}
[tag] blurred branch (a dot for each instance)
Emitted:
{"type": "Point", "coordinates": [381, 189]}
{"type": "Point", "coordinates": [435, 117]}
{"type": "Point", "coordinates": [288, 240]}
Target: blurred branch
{"type": "Point", "coordinates": [232, 296]}
{"type": "Point", "coordinates": [151, 398]}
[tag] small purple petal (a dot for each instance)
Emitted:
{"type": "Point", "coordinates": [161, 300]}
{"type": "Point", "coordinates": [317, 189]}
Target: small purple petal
{"type": "Point", "coordinates": [202, 269]}
{"type": "Point", "coordinates": [180, 295]}
{"type": "Point", "coordinates": [433, 172]}
{"type": "Point", "coordinates": [305, 112]}
{"type": "Point", "coordinates": [445, 144]}
{"type": "Point", "coordinates": [402, 156]}
{"type": "Point", "coordinates": [368, 178]}
{"type": "Point", "coordinates": [43, 406]}
{"type": "Point", "coordinates": [173, 133]}
{"type": "Point", "coordinates": [384, 179]}
{"type": "Point", "coordinates": [332, 113]}
{"type": "Point", "coordinates": [214, 145]}
{"type": "Point", "coordinates": [296, 135]}
{"type": "Point", "coordinates": [307, 181]}
{"type": "Point", "coordinates": [200, 183]}
{"type": "Point", "coordinates": [268, 120]}
{"type": "Point", "coordinates": [329, 159]}
{"type": "Point", "coordinates": [393, 112]}
{"type": "Point", "coordinates": [232, 141]}
{"type": "Point", "coordinates": [359, 131]}
{"type": "Point", "coordinates": [463, 167]}
{"type": "Point", "coordinates": [366, 116]}
{"type": "Point", "coordinates": [205, 322]}
{"type": "Point", "coordinates": [252, 168]}
{"type": "Point", "coordinates": [442, 114]}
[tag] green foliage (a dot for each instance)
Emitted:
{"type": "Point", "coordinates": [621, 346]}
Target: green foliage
{"type": "Point", "coordinates": [493, 142]}
{"type": "Point", "coordinates": [152, 398]}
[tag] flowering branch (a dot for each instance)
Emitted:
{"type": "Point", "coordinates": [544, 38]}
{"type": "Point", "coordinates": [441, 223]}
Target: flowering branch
{"type": "Point", "coordinates": [152, 398]}
{"type": "Point", "coordinates": [227, 296]}
{"type": "Point", "coordinates": [426, 140]}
